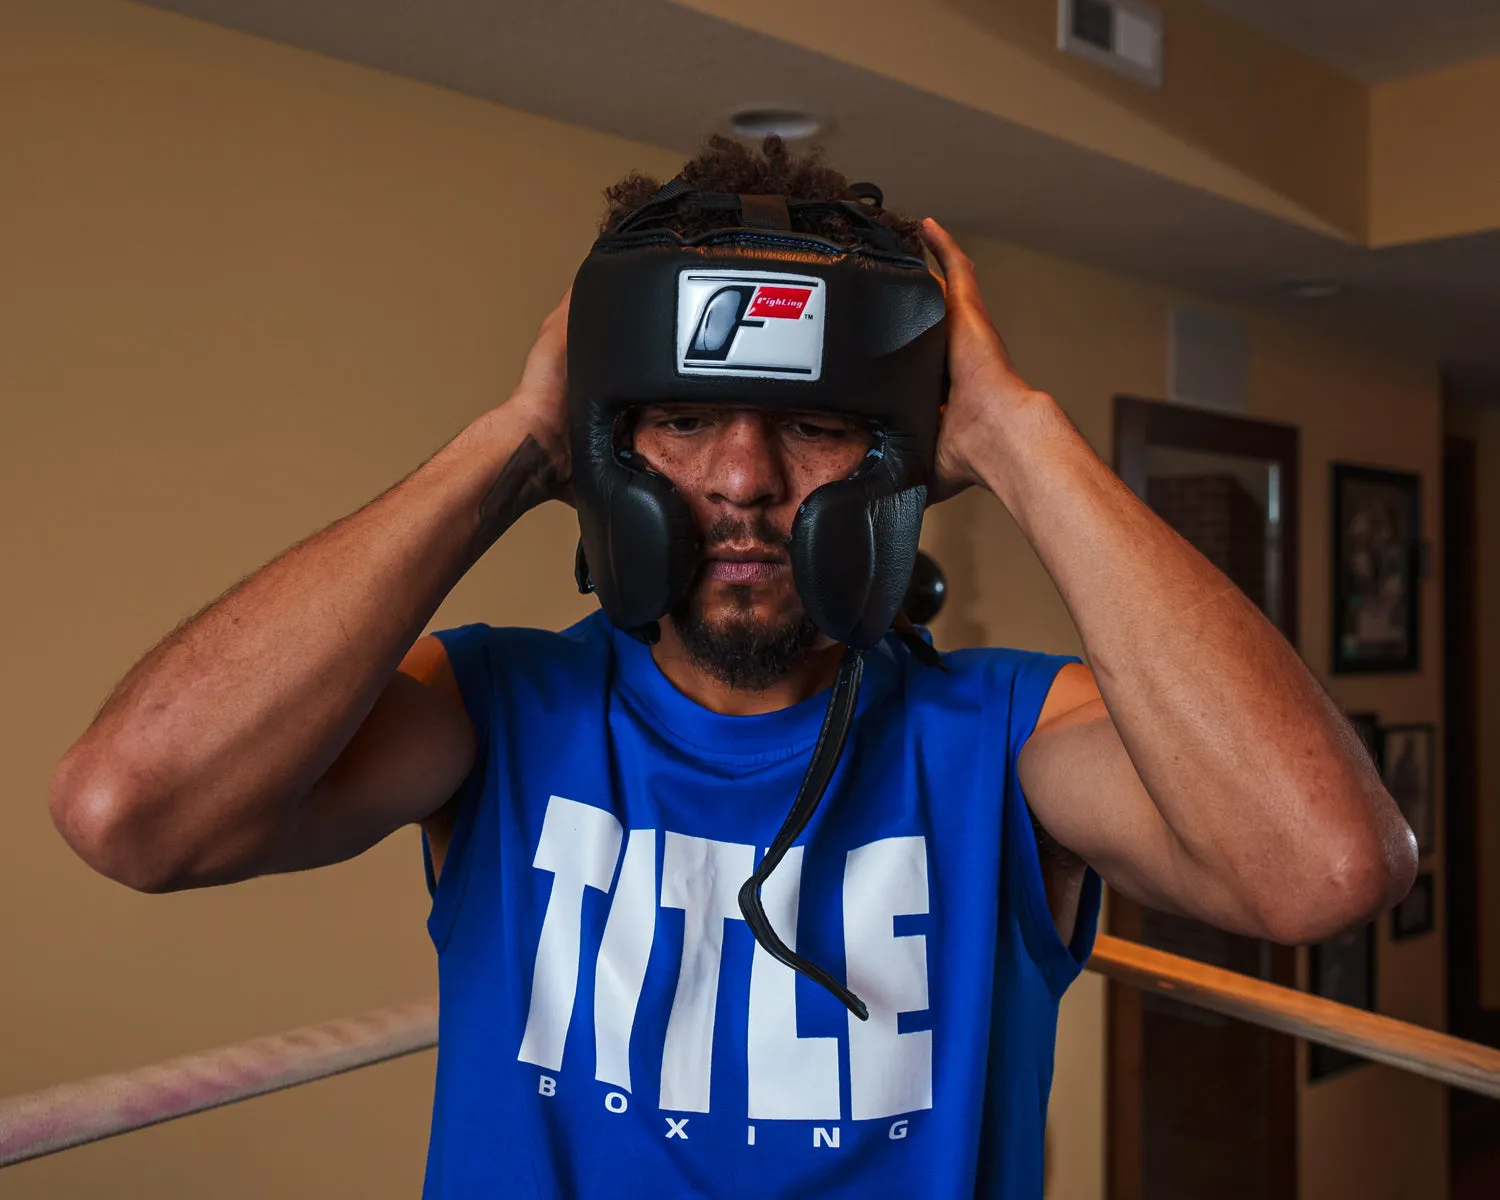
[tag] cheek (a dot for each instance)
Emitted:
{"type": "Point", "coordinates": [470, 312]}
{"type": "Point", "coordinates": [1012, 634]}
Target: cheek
{"type": "Point", "coordinates": [666, 457]}
{"type": "Point", "coordinates": [815, 467]}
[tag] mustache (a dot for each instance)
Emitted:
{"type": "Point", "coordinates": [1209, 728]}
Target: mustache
{"type": "Point", "coordinates": [759, 529]}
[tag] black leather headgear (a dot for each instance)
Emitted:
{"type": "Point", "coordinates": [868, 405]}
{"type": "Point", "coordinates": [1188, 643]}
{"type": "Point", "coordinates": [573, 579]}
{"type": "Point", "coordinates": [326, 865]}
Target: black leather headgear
{"type": "Point", "coordinates": [757, 315]}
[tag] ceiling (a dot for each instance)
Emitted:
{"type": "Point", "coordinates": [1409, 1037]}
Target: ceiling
{"type": "Point", "coordinates": [667, 75]}
{"type": "Point", "coordinates": [1377, 40]}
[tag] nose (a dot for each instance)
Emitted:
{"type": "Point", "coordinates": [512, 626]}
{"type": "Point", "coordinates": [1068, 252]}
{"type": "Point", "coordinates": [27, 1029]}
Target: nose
{"type": "Point", "coordinates": [747, 470]}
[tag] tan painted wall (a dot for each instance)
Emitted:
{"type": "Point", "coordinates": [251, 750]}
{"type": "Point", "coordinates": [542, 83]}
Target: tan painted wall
{"type": "Point", "coordinates": [251, 288]}
{"type": "Point", "coordinates": [1240, 116]}
{"type": "Point", "coordinates": [245, 289]}
{"type": "Point", "coordinates": [1482, 425]}
{"type": "Point", "coordinates": [1229, 93]}
{"type": "Point", "coordinates": [1374, 1131]}
{"type": "Point", "coordinates": [1086, 336]}
{"type": "Point", "coordinates": [1435, 154]}
{"type": "Point", "coordinates": [1002, 596]}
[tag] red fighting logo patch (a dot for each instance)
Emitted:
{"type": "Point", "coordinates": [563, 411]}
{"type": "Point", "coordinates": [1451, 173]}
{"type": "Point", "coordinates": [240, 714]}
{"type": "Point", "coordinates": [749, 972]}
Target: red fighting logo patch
{"type": "Point", "coordinates": [785, 302]}
{"type": "Point", "coordinates": [750, 324]}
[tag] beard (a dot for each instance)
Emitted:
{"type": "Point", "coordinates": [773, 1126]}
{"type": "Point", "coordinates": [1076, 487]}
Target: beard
{"type": "Point", "coordinates": [740, 649]}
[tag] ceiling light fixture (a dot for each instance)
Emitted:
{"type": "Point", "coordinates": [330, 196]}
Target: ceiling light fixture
{"type": "Point", "coordinates": [761, 120]}
{"type": "Point", "coordinates": [1312, 289]}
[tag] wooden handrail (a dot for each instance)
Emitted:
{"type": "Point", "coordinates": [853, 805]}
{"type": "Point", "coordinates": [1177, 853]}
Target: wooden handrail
{"type": "Point", "coordinates": [73, 1114]}
{"type": "Point", "coordinates": [1426, 1052]}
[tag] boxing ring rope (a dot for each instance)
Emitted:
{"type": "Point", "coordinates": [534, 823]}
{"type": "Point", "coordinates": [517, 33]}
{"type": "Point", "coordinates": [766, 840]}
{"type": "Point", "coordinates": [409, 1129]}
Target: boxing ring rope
{"type": "Point", "coordinates": [73, 1114]}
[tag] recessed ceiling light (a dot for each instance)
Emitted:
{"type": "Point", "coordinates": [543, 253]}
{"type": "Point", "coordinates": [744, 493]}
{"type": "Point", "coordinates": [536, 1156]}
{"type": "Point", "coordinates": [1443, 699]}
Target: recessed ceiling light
{"type": "Point", "coordinates": [761, 120]}
{"type": "Point", "coordinates": [1312, 289]}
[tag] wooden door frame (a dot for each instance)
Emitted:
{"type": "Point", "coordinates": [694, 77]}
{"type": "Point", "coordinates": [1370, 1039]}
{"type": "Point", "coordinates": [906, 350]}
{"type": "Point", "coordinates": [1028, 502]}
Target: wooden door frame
{"type": "Point", "coordinates": [1466, 1017]}
{"type": "Point", "coordinates": [1138, 424]}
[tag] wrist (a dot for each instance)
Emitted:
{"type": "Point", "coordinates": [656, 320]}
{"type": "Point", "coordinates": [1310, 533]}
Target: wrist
{"type": "Point", "coordinates": [512, 465]}
{"type": "Point", "coordinates": [503, 432]}
{"type": "Point", "coordinates": [1016, 435]}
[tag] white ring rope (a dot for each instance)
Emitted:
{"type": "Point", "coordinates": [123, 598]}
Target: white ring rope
{"type": "Point", "coordinates": [72, 1114]}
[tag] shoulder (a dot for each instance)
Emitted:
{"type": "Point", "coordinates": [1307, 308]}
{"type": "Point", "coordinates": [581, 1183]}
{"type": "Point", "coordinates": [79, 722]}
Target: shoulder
{"type": "Point", "coordinates": [1027, 677]}
{"type": "Point", "coordinates": [515, 647]}
{"type": "Point", "coordinates": [493, 664]}
{"type": "Point", "coordinates": [590, 633]}
{"type": "Point", "coordinates": [1015, 696]}
{"type": "Point", "coordinates": [1072, 689]}
{"type": "Point", "coordinates": [1005, 660]}
{"type": "Point", "coordinates": [499, 674]}
{"type": "Point", "coordinates": [1008, 691]}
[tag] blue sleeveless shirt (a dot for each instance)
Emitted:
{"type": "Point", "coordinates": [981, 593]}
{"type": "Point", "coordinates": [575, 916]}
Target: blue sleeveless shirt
{"type": "Point", "coordinates": [609, 1027]}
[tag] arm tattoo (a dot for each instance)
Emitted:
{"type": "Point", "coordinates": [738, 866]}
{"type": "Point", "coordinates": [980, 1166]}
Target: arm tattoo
{"type": "Point", "coordinates": [529, 478]}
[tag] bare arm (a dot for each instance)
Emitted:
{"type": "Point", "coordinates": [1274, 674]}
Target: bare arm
{"type": "Point", "coordinates": [273, 731]}
{"type": "Point", "coordinates": [1207, 772]}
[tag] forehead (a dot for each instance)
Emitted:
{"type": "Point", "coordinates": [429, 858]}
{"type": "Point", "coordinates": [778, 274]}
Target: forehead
{"type": "Point", "coordinates": [676, 408]}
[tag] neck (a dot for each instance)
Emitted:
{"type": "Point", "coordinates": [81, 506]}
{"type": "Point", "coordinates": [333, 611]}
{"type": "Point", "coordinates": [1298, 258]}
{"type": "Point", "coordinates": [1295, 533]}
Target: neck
{"type": "Point", "coordinates": [809, 676]}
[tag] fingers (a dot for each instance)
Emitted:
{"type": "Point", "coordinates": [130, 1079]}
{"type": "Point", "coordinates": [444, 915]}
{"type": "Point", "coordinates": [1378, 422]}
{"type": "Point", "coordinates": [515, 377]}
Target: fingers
{"type": "Point", "coordinates": [961, 289]}
{"type": "Point", "coordinates": [545, 370]}
{"type": "Point", "coordinates": [559, 315]}
{"type": "Point", "coordinates": [958, 269]}
{"type": "Point", "coordinates": [553, 334]}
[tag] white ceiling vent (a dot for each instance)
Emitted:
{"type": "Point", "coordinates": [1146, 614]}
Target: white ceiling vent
{"type": "Point", "coordinates": [1123, 35]}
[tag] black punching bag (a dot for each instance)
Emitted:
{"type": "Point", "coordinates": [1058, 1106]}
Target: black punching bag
{"type": "Point", "coordinates": [926, 591]}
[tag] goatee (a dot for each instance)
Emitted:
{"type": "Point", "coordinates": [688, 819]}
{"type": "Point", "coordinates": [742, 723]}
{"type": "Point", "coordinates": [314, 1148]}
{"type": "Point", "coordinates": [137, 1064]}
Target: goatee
{"type": "Point", "coordinates": [739, 650]}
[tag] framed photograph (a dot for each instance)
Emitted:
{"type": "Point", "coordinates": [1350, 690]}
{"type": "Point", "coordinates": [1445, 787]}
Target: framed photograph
{"type": "Point", "coordinates": [1367, 725]}
{"type": "Point", "coordinates": [1377, 543]}
{"type": "Point", "coordinates": [1341, 969]}
{"type": "Point", "coordinates": [1415, 915]}
{"type": "Point", "coordinates": [1410, 771]}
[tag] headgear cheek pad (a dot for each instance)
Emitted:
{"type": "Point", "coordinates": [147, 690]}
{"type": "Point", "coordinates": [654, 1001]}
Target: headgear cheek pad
{"type": "Point", "coordinates": [757, 317]}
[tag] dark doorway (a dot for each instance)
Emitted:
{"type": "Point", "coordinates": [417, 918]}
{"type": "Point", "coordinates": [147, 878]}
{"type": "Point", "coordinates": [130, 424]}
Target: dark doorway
{"type": "Point", "coordinates": [1474, 1123]}
{"type": "Point", "coordinates": [1200, 1105]}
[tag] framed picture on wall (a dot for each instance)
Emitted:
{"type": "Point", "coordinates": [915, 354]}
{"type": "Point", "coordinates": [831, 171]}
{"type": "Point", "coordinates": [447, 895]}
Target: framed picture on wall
{"type": "Point", "coordinates": [1342, 969]}
{"type": "Point", "coordinates": [1377, 533]}
{"type": "Point", "coordinates": [1416, 914]}
{"type": "Point", "coordinates": [1410, 773]}
{"type": "Point", "coordinates": [1367, 726]}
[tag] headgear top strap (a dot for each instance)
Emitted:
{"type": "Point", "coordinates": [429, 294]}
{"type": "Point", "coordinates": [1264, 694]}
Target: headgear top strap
{"type": "Point", "coordinates": [771, 212]}
{"type": "Point", "coordinates": [765, 212]}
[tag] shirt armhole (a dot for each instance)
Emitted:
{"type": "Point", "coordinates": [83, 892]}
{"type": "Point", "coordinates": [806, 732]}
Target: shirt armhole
{"type": "Point", "coordinates": [1059, 962]}
{"type": "Point", "coordinates": [468, 649]}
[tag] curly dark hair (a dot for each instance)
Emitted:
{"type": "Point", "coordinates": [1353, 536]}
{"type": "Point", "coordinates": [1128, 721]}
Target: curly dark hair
{"type": "Point", "coordinates": [725, 165]}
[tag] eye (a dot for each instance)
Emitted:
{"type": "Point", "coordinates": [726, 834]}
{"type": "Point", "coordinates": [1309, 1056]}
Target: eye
{"type": "Point", "coordinates": [811, 429]}
{"type": "Point", "coordinates": [680, 423]}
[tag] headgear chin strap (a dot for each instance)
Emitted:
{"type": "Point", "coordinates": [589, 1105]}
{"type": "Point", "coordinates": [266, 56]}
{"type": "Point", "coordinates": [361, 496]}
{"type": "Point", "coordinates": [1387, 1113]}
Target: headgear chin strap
{"type": "Point", "coordinates": [758, 316]}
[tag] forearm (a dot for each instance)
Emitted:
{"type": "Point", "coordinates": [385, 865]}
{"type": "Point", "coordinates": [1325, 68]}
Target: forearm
{"type": "Point", "coordinates": [1249, 763]}
{"type": "Point", "coordinates": [241, 710]}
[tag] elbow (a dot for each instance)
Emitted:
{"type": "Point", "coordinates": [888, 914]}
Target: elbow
{"type": "Point", "coordinates": [101, 814]}
{"type": "Point", "coordinates": [1352, 881]}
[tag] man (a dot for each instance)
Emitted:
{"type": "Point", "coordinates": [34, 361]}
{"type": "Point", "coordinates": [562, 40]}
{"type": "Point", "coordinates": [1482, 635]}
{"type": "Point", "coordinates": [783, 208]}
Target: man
{"type": "Point", "coordinates": [591, 805]}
